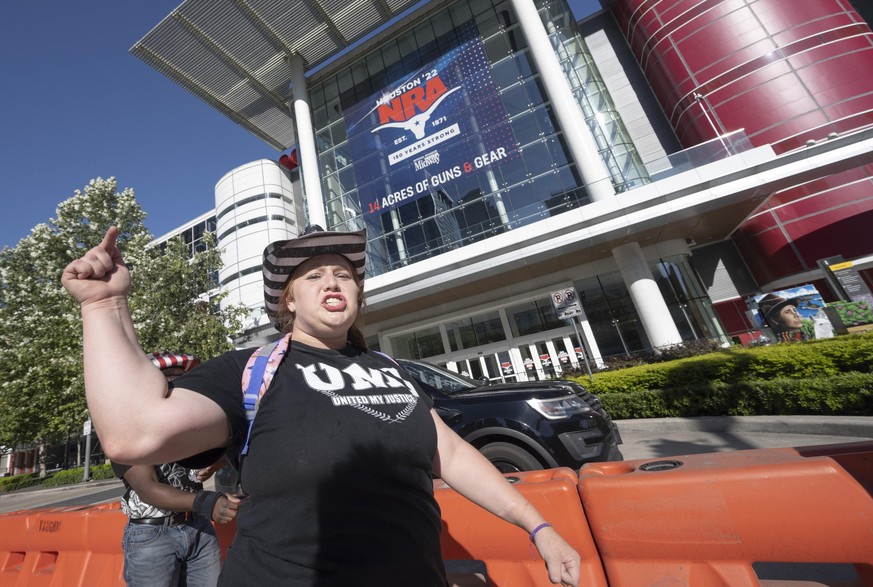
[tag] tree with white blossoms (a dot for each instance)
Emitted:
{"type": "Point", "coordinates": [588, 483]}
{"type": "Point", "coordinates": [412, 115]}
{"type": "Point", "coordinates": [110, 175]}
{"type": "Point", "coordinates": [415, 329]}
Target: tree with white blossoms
{"type": "Point", "coordinates": [174, 302]}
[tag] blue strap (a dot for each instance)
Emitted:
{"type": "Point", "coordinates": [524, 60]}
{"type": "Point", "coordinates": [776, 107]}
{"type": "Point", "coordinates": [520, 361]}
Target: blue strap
{"type": "Point", "coordinates": [250, 395]}
{"type": "Point", "coordinates": [252, 392]}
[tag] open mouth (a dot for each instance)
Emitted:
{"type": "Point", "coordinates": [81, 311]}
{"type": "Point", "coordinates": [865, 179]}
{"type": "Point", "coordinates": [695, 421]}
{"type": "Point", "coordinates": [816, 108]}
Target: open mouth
{"type": "Point", "coordinates": [334, 303]}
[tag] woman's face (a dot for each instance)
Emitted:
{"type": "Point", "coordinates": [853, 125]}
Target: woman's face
{"type": "Point", "coordinates": [789, 318]}
{"type": "Point", "coordinates": [324, 295]}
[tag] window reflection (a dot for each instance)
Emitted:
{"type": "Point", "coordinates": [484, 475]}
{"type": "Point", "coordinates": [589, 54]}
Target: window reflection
{"type": "Point", "coordinates": [475, 331]}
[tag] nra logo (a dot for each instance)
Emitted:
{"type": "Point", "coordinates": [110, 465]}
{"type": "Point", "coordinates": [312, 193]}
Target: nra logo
{"type": "Point", "coordinates": [412, 109]}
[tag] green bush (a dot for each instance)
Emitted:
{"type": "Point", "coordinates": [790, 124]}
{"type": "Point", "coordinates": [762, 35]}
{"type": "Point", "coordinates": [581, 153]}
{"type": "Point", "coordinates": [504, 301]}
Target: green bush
{"type": "Point", "coordinates": [799, 360]}
{"type": "Point", "coordinates": [830, 376]}
{"type": "Point", "coordinates": [850, 394]}
{"type": "Point", "coordinates": [71, 476]}
{"type": "Point", "coordinates": [103, 471]}
{"type": "Point", "coordinates": [18, 482]}
{"type": "Point", "coordinates": [65, 477]}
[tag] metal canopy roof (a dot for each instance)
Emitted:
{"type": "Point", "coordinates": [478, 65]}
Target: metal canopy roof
{"type": "Point", "coordinates": [231, 53]}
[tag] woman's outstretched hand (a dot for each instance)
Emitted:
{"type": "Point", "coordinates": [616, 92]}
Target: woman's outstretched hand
{"type": "Point", "coordinates": [98, 275]}
{"type": "Point", "coordinates": [562, 561]}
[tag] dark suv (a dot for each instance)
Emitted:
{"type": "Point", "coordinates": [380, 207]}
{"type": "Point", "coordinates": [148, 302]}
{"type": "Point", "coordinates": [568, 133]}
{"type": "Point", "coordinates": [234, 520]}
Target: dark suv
{"type": "Point", "coordinates": [522, 426]}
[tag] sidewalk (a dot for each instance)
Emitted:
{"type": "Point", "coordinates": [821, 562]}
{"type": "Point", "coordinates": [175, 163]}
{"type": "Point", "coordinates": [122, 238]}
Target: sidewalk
{"type": "Point", "coordinates": [856, 426]}
{"type": "Point", "coordinates": [669, 437]}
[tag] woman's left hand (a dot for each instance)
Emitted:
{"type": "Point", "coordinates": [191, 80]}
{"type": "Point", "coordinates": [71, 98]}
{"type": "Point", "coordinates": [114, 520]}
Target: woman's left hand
{"type": "Point", "coordinates": [562, 560]}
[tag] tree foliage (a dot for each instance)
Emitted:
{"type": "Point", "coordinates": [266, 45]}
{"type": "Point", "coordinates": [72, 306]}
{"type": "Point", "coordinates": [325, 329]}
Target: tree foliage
{"type": "Point", "coordinates": [41, 383]}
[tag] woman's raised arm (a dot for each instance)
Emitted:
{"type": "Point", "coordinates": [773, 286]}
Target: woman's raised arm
{"type": "Point", "coordinates": [127, 395]}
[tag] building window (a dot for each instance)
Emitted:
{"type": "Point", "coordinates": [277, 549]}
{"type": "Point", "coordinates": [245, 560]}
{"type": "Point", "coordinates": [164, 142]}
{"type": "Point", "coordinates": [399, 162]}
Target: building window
{"type": "Point", "coordinates": [533, 317]}
{"type": "Point", "coordinates": [419, 344]}
{"type": "Point", "coordinates": [687, 300]}
{"type": "Point", "coordinates": [475, 331]}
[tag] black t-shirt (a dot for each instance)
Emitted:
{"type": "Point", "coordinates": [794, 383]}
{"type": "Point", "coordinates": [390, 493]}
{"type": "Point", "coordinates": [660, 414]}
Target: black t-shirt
{"type": "Point", "coordinates": [338, 472]}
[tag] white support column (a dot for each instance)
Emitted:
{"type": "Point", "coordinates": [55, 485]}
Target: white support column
{"type": "Point", "coordinates": [309, 172]}
{"type": "Point", "coordinates": [588, 335]}
{"type": "Point", "coordinates": [582, 146]}
{"type": "Point", "coordinates": [646, 297]}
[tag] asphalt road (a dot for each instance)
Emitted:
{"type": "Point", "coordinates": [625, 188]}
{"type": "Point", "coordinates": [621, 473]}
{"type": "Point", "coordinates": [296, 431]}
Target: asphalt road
{"type": "Point", "coordinates": [643, 439]}
{"type": "Point", "coordinates": [81, 494]}
{"type": "Point", "coordinates": [90, 493]}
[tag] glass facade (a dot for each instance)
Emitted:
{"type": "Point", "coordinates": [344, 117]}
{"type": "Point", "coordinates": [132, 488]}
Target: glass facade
{"type": "Point", "coordinates": [546, 344]}
{"type": "Point", "coordinates": [474, 331]}
{"type": "Point", "coordinates": [536, 179]}
{"type": "Point", "coordinates": [389, 128]}
{"type": "Point", "coordinates": [532, 317]}
{"type": "Point", "coordinates": [613, 140]}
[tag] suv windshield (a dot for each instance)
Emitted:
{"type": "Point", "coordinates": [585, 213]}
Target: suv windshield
{"type": "Point", "coordinates": [440, 379]}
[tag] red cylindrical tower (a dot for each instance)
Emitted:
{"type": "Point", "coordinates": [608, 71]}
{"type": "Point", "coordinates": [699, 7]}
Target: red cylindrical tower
{"type": "Point", "coordinates": [786, 72]}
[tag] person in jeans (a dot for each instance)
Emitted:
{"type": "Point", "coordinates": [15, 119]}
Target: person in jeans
{"type": "Point", "coordinates": [169, 538]}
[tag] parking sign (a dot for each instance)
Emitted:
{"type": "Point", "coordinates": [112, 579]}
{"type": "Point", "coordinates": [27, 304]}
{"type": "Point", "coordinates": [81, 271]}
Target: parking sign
{"type": "Point", "coordinates": [566, 302]}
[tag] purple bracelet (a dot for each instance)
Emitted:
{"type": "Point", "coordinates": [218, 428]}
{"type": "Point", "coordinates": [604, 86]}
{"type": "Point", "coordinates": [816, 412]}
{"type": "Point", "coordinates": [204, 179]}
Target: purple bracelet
{"type": "Point", "coordinates": [533, 533]}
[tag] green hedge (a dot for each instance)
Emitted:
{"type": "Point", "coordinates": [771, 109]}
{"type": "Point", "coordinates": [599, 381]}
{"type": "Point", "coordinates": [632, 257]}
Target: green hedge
{"type": "Point", "coordinates": [830, 376]}
{"type": "Point", "coordinates": [850, 394]}
{"type": "Point", "coordinates": [66, 477]}
{"type": "Point", "coordinates": [71, 476]}
{"type": "Point", "coordinates": [18, 482]}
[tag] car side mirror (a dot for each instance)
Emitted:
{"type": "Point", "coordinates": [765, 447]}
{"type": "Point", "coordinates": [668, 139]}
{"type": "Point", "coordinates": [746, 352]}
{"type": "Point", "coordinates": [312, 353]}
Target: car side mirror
{"type": "Point", "coordinates": [484, 381]}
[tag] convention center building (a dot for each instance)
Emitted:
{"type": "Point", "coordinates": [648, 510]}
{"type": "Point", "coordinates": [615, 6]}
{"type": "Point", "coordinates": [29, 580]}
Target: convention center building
{"type": "Point", "coordinates": [540, 190]}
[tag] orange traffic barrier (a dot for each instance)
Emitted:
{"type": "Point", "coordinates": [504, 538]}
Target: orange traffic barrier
{"type": "Point", "coordinates": [13, 546]}
{"type": "Point", "coordinates": [104, 565]}
{"type": "Point", "coordinates": [82, 546]}
{"type": "Point", "coordinates": [749, 518]}
{"type": "Point", "coordinates": [225, 533]}
{"type": "Point", "coordinates": [472, 534]}
{"type": "Point", "coordinates": [62, 546]}
{"type": "Point", "coordinates": [735, 519]}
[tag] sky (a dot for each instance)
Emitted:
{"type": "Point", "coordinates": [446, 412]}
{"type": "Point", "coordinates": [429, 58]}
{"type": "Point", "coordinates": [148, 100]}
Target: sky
{"type": "Point", "coordinates": [76, 105]}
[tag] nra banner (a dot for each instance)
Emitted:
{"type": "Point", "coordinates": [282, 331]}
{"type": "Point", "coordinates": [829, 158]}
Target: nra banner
{"type": "Point", "coordinates": [425, 131]}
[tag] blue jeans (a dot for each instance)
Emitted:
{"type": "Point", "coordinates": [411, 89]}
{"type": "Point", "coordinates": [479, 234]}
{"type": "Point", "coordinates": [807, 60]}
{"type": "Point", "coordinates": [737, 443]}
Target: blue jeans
{"type": "Point", "coordinates": [187, 554]}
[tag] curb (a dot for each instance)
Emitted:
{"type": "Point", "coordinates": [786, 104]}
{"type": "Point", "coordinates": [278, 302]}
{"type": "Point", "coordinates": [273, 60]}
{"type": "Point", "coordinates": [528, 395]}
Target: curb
{"type": "Point", "coordinates": [853, 426]}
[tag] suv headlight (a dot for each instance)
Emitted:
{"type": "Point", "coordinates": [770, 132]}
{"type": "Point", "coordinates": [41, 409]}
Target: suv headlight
{"type": "Point", "coordinates": [559, 408]}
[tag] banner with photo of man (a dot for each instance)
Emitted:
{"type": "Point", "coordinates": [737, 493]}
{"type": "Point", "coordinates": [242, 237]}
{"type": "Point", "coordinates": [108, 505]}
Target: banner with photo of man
{"type": "Point", "coordinates": [421, 133]}
{"type": "Point", "coordinates": [792, 314]}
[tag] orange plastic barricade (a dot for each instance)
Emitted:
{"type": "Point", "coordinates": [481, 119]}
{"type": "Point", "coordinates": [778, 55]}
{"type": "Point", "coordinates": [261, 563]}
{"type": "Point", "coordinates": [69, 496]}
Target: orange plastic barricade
{"type": "Point", "coordinates": [735, 519]}
{"type": "Point", "coordinates": [471, 533]}
{"type": "Point", "coordinates": [62, 546]}
{"type": "Point", "coordinates": [104, 564]}
{"type": "Point", "coordinates": [225, 533]}
{"type": "Point", "coordinates": [13, 546]}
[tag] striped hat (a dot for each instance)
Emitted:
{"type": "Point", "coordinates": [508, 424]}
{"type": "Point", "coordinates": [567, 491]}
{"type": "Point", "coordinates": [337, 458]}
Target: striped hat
{"type": "Point", "coordinates": [281, 258]}
{"type": "Point", "coordinates": [165, 360]}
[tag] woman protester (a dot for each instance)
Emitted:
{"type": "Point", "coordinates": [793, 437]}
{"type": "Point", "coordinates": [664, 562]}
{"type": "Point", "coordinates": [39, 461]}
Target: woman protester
{"type": "Point", "coordinates": [339, 471]}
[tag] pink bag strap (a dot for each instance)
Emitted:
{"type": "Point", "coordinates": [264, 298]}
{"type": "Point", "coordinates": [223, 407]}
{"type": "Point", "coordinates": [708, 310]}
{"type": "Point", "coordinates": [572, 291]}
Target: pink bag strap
{"type": "Point", "coordinates": [257, 376]}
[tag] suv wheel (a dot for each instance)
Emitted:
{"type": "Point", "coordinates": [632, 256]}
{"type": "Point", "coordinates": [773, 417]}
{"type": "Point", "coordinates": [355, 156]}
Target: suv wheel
{"type": "Point", "coordinates": [509, 458]}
